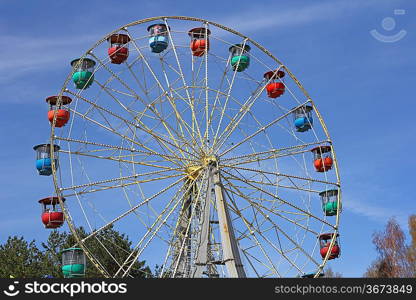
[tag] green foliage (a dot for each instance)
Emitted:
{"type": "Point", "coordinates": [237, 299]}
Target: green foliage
{"type": "Point", "coordinates": [53, 248]}
{"type": "Point", "coordinates": [19, 258]}
{"type": "Point", "coordinates": [109, 246]}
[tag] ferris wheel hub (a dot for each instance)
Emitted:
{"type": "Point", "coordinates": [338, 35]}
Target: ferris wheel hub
{"type": "Point", "coordinates": [193, 171]}
{"type": "Point", "coordinates": [209, 160]}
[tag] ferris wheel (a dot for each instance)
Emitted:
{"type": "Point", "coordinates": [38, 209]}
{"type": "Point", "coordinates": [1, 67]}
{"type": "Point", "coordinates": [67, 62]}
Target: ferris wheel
{"type": "Point", "coordinates": [199, 145]}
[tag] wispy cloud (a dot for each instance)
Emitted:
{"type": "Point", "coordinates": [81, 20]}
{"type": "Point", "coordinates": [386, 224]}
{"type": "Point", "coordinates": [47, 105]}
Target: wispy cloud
{"type": "Point", "coordinates": [375, 212]}
{"type": "Point", "coordinates": [260, 17]}
{"type": "Point", "coordinates": [27, 54]}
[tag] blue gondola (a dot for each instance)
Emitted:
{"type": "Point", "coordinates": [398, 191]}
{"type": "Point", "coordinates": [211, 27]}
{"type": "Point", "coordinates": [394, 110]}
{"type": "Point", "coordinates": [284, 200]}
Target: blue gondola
{"type": "Point", "coordinates": [43, 158]}
{"type": "Point", "coordinates": [303, 118]}
{"type": "Point", "coordinates": [158, 40]}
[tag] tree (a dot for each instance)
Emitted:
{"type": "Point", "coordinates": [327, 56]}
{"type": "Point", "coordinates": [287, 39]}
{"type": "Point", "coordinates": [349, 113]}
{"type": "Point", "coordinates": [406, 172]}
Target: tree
{"type": "Point", "coordinates": [107, 246]}
{"type": "Point", "coordinates": [55, 244]}
{"type": "Point", "coordinates": [331, 274]}
{"type": "Point", "coordinates": [393, 254]}
{"type": "Point", "coordinates": [412, 247]}
{"type": "Point", "coordinates": [19, 258]}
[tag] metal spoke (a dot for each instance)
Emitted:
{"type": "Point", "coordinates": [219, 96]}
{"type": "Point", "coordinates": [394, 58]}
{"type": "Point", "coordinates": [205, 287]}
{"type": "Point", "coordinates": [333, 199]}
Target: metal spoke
{"type": "Point", "coordinates": [147, 200]}
{"type": "Point", "coordinates": [281, 175]}
{"type": "Point", "coordinates": [262, 129]}
{"type": "Point", "coordinates": [114, 147]}
{"type": "Point", "coordinates": [226, 99]}
{"type": "Point", "coordinates": [144, 128]}
{"type": "Point", "coordinates": [152, 231]}
{"type": "Point", "coordinates": [191, 100]}
{"type": "Point", "coordinates": [282, 232]}
{"type": "Point", "coordinates": [118, 159]}
{"type": "Point", "coordinates": [286, 202]}
{"type": "Point", "coordinates": [105, 188]}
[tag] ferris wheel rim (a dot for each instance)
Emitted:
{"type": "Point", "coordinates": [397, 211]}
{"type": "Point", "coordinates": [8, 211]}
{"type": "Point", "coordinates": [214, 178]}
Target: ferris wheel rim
{"type": "Point", "coordinates": [90, 51]}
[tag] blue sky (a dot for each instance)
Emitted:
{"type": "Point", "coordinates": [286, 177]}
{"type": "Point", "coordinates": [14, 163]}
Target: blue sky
{"type": "Point", "coordinates": [361, 85]}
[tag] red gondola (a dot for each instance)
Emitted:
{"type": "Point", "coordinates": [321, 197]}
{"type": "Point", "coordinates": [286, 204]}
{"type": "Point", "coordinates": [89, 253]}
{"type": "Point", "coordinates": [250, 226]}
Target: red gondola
{"type": "Point", "coordinates": [199, 40]}
{"type": "Point", "coordinates": [325, 241]}
{"type": "Point", "coordinates": [322, 159]}
{"type": "Point", "coordinates": [52, 216]}
{"type": "Point", "coordinates": [275, 88]}
{"type": "Point", "coordinates": [118, 51]}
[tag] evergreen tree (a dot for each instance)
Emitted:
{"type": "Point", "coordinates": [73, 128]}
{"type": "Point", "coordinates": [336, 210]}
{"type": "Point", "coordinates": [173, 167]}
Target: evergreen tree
{"type": "Point", "coordinates": [108, 246]}
{"type": "Point", "coordinates": [18, 258]}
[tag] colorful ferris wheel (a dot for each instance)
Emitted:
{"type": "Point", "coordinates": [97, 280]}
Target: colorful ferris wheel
{"type": "Point", "coordinates": [201, 146]}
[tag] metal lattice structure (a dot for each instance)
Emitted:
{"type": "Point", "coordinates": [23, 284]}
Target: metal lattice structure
{"type": "Point", "coordinates": [192, 160]}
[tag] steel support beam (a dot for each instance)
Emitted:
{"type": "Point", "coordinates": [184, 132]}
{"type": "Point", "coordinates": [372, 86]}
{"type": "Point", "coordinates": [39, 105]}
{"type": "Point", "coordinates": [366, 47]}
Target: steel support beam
{"type": "Point", "coordinates": [231, 254]}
